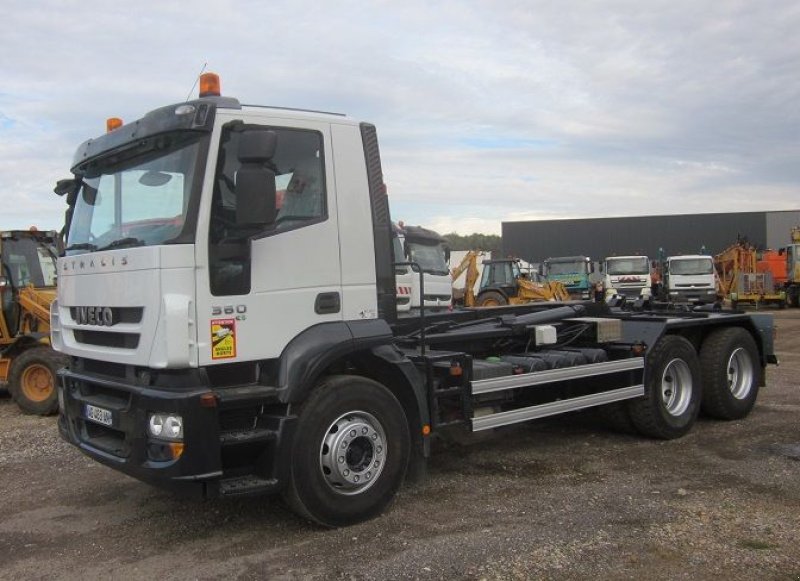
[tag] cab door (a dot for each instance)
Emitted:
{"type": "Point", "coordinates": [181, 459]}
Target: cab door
{"type": "Point", "coordinates": [259, 288]}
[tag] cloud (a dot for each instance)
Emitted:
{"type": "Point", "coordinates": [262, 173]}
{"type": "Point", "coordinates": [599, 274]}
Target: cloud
{"type": "Point", "coordinates": [485, 111]}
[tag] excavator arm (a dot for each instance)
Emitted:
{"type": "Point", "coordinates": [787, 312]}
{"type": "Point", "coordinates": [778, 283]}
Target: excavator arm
{"type": "Point", "coordinates": [469, 264]}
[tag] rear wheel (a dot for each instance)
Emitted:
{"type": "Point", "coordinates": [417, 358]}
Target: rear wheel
{"type": "Point", "coordinates": [492, 299]}
{"type": "Point", "coordinates": [731, 372]}
{"type": "Point", "coordinates": [672, 401]}
{"type": "Point", "coordinates": [350, 452]}
{"type": "Point", "coordinates": [32, 380]}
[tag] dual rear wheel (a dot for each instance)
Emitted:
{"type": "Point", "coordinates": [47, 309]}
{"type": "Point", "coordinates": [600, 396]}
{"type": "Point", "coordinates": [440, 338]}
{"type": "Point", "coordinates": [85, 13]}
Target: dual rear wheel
{"type": "Point", "coordinates": [722, 380]}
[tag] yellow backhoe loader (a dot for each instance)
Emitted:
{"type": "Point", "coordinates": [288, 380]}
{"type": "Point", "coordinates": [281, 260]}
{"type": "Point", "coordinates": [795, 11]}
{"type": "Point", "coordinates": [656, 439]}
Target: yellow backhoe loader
{"type": "Point", "coordinates": [27, 287]}
{"type": "Point", "coordinates": [504, 283]}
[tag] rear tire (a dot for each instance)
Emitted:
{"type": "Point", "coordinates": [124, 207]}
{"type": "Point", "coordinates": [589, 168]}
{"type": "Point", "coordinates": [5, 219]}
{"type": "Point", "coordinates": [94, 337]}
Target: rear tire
{"type": "Point", "coordinates": [731, 373]}
{"type": "Point", "coordinates": [365, 423]}
{"type": "Point", "coordinates": [492, 299]}
{"type": "Point", "coordinates": [32, 380]}
{"type": "Point", "coordinates": [673, 394]}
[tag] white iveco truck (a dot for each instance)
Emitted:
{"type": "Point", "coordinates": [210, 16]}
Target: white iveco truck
{"type": "Point", "coordinates": [227, 301]}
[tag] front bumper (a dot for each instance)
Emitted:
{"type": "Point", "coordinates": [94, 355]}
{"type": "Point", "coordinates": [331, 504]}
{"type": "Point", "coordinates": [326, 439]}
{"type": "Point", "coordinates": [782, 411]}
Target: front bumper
{"type": "Point", "coordinates": [235, 446]}
{"type": "Point", "coordinates": [693, 296]}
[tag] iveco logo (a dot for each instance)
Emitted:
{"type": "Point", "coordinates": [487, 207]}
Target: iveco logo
{"type": "Point", "coordinates": [94, 316]}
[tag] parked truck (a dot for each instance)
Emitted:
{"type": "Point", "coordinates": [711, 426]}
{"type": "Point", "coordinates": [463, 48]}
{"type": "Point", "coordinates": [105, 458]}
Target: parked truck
{"type": "Point", "coordinates": [629, 276]}
{"type": "Point", "coordinates": [688, 278]}
{"type": "Point", "coordinates": [792, 257]}
{"type": "Point", "coordinates": [574, 272]}
{"type": "Point", "coordinates": [223, 348]}
{"type": "Point", "coordinates": [429, 252]}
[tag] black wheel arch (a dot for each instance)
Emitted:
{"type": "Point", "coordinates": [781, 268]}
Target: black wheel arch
{"type": "Point", "coordinates": [362, 348]}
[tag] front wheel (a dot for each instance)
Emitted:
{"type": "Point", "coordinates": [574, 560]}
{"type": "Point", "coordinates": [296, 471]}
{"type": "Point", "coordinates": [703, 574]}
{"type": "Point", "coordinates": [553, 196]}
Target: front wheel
{"type": "Point", "coordinates": [32, 380]}
{"type": "Point", "coordinates": [672, 401]}
{"type": "Point", "coordinates": [731, 372]}
{"type": "Point", "coordinates": [350, 452]}
{"type": "Point", "coordinates": [492, 299]}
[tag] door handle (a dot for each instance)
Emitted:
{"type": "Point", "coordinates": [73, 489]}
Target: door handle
{"type": "Point", "coordinates": [327, 303]}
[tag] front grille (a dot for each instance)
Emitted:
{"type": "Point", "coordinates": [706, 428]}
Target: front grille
{"type": "Point", "coordinates": [118, 314]}
{"type": "Point", "coordinates": [106, 339]}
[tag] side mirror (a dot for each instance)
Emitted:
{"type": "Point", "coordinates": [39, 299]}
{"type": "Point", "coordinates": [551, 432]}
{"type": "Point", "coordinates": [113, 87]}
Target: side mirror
{"type": "Point", "coordinates": [781, 251]}
{"type": "Point", "coordinates": [255, 183]}
{"type": "Point", "coordinates": [447, 255]}
{"type": "Point", "coordinates": [68, 187]}
{"type": "Point", "coordinates": [600, 267]}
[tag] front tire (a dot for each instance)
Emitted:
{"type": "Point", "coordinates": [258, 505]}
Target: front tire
{"type": "Point", "coordinates": [731, 373]}
{"type": "Point", "coordinates": [32, 380]}
{"type": "Point", "coordinates": [350, 452]}
{"type": "Point", "coordinates": [492, 299]}
{"type": "Point", "coordinates": [672, 380]}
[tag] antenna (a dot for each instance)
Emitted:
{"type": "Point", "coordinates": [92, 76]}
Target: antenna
{"type": "Point", "coordinates": [197, 78]}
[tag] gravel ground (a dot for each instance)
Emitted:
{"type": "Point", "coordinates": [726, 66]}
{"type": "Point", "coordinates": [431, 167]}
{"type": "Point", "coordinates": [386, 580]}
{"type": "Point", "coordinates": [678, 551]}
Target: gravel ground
{"type": "Point", "coordinates": [558, 499]}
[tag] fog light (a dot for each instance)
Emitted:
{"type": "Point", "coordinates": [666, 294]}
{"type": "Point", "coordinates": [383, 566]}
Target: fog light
{"type": "Point", "coordinates": [167, 426]}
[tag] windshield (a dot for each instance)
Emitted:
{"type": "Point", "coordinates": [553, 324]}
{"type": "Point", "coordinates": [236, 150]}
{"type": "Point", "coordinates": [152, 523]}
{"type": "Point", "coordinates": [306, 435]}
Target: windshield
{"type": "Point", "coordinates": [430, 257]}
{"type": "Point", "coordinates": [141, 201]}
{"type": "Point", "coordinates": [637, 265]}
{"type": "Point", "coordinates": [28, 261]}
{"type": "Point", "coordinates": [571, 267]}
{"type": "Point", "coordinates": [691, 266]}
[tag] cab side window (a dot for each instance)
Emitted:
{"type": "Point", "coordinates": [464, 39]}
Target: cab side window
{"type": "Point", "coordinates": [300, 200]}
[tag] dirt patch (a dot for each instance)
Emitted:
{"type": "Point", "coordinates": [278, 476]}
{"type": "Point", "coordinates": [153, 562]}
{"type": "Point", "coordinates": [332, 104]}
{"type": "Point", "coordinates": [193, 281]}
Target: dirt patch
{"type": "Point", "coordinates": [565, 499]}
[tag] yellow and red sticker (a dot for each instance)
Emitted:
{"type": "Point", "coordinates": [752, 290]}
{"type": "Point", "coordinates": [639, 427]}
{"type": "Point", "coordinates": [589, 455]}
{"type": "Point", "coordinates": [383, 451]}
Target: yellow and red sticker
{"type": "Point", "coordinates": [223, 338]}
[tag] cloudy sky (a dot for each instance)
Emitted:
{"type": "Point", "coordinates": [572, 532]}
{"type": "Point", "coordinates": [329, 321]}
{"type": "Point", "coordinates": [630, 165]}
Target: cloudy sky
{"type": "Point", "coordinates": [486, 111]}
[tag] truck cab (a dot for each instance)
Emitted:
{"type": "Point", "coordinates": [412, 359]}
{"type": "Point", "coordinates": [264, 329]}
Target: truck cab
{"type": "Point", "coordinates": [574, 272]}
{"type": "Point", "coordinates": [690, 278]}
{"type": "Point", "coordinates": [628, 276]}
{"type": "Point", "coordinates": [426, 248]}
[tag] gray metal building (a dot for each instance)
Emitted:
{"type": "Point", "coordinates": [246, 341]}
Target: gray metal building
{"type": "Point", "coordinates": [677, 234]}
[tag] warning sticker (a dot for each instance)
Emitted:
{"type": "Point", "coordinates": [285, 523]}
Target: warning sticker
{"type": "Point", "coordinates": [223, 338]}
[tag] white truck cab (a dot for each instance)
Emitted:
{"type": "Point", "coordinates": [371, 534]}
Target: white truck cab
{"type": "Point", "coordinates": [628, 276]}
{"type": "Point", "coordinates": [690, 278]}
{"type": "Point", "coordinates": [429, 250]}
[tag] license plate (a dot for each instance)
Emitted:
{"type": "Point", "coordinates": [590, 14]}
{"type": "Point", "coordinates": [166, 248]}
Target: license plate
{"type": "Point", "coordinates": [99, 415]}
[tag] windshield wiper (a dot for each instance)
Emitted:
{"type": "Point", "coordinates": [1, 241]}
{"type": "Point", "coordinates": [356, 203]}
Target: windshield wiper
{"type": "Point", "coordinates": [129, 241]}
{"type": "Point", "coordinates": [82, 246]}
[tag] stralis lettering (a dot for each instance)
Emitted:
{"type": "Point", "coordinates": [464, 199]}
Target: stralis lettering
{"type": "Point", "coordinates": [94, 316]}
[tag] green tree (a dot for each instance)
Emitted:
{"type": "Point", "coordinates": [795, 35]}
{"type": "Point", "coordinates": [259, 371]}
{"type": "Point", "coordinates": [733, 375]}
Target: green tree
{"type": "Point", "coordinates": [486, 242]}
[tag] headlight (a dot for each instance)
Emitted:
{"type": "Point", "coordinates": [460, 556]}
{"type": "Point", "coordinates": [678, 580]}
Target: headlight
{"type": "Point", "coordinates": [673, 292]}
{"type": "Point", "coordinates": [167, 426]}
{"type": "Point", "coordinates": [711, 292]}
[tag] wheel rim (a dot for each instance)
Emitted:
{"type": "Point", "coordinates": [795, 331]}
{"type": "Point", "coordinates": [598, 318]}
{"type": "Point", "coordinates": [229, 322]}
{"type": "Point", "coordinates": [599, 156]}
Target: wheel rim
{"type": "Point", "coordinates": [676, 387]}
{"type": "Point", "coordinates": [37, 382]}
{"type": "Point", "coordinates": [740, 373]}
{"type": "Point", "coordinates": [491, 303]}
{"type": "Point", "coordinates": [353, 452]}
